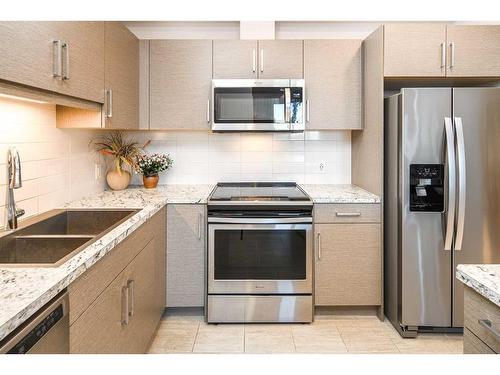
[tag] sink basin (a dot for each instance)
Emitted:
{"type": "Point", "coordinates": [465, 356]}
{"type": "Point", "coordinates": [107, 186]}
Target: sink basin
{"type": "Point", "coordinates": [52, 238]}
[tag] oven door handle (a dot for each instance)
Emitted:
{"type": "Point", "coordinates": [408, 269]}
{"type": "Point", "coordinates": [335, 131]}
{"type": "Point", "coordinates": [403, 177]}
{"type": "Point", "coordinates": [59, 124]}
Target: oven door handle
{"type": "Point", "coordinates": [279, 220]}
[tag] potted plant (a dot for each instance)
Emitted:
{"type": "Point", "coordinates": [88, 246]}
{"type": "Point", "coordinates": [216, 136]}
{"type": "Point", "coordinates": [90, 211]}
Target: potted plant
{"type": "Point", "coordinates": [124, 153]}
{"type": "Point", "coordinates": [150, 165]}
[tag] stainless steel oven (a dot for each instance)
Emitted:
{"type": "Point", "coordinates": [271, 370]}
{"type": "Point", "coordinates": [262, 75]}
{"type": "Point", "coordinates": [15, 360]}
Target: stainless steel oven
{"type": "Point", "coordinates": [258, 105]}
{"type": "Point", "coordinates": [260, 254]}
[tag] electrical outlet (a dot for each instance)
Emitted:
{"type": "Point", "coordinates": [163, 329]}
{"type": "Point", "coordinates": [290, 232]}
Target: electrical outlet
{"type": "Point", "coordinates": [322, 166]}
{"type": "Point", "coordinates": [97, 171]}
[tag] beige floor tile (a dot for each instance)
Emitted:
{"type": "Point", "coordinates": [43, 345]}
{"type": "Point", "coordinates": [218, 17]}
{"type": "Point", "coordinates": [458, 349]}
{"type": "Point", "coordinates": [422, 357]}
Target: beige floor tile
{"type": "Point", "coordinates": [269, 338]}
{"type": "Point", "coordinates": [222, 338]}
{"type": "Point", "coordinates": [425, 345]}
{"type": "Point", "coordinates": [173, 340]}
{"type": "Point", "coordinates": [317, 328]}
{"type": "Point", "coordinates": [368, 342]}
{"type": "Point", "coordinates": [319, 344]}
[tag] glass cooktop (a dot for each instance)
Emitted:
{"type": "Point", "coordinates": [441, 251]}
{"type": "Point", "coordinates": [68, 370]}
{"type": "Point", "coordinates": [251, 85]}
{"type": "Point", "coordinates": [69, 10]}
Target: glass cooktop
{"type": "Point", "coordinates": [258, 191]}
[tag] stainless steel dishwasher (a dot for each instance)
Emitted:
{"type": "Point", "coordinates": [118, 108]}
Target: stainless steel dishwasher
{"type": "Point", "coordinates": [46, 332]}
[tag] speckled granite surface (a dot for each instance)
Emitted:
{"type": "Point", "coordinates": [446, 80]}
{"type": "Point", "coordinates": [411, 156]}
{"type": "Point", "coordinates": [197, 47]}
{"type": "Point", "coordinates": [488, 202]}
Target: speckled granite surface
{"type": "Point", "coordinates": [339, 194]}
{"type": "Point", "coordinates": [483, 278]}
{"type": "Point", "coordinates": [24, 290]}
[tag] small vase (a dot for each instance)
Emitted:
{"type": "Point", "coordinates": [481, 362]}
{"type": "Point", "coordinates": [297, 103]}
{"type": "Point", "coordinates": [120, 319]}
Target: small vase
{"type": "Point", "coordinates": [150, 182]}
{"type": "Point", "coordinates": [117, 181]}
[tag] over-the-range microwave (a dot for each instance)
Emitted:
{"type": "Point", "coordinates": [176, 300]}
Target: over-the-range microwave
{"type": "Point", "coordinates": [262, 105]}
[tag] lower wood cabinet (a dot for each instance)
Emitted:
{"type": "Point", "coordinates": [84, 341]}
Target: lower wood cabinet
{"type": "Point", "coordinates": [481, 324]}
{"type": "Point", "coordinates": [348, 263]}
{"type": "Point", "coordinates": [124, 316]}
{"type": "Point", "coordinates": [186, 255]}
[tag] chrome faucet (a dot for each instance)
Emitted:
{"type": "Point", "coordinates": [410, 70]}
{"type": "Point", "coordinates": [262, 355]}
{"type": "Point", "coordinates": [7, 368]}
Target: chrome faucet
{"type": "Point", "coordinates": [15, 182]}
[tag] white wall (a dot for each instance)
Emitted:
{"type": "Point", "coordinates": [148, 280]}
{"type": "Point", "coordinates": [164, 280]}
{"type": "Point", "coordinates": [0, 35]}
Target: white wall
{"type": "Point", "coordinates": [56, 164]}
{"type": "Point", "coordinates": [203, 157]}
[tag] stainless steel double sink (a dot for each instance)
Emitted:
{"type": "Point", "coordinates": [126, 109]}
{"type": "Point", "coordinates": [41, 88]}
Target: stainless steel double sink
{"type": "Point", "coordinates": [50, 239]}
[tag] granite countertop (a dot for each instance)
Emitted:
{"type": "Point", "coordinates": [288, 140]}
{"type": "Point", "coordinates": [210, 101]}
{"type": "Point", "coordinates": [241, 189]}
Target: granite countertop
{"type": "Point", "coordinates": [483, 278]}
{"type": "Point", "coordinates": [339, 194]}
{"type": "Point", "coordinates": [25, 290]}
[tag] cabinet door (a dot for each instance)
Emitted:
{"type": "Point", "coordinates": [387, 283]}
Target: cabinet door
{"type": "Point", "coordinates": [185, 255]}
{"type": "Point", "coordinates": [27, 53]}
{"type": "Point", "coordinates": [348, 265]}
{"type": "Point", "coordinates": [281, 59]}
{"type": "Point", "coordinates": [332, 72]}
{"type": "Point", "coordinates": [82, 60]}
{"type": "Point", "coordinates": [99, 329]}
{"type": "Point", "coordinates": [414, 50]}
{"type": "Point", "coordinates": [476, 51]}
{"type": "Point", "coordinates": [180, 84]}
{"type": "Point", "coordinates": [121, 77]}
{"type": "Point", "coordinates": [235, 59]}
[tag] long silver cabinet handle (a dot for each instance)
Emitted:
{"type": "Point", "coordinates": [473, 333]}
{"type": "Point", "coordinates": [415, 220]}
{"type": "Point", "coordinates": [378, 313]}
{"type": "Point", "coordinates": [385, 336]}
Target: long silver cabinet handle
{"type": "Point", "coordinates": [208, 110]}
{"type": "Point", "coordinates": [131, 298]}
{"type": "Point", "coordinates": [200, 222]}
{"type": "Point", "coordinates": [452, 55]}
{"type": "Point", "coordinates": [443, 55]}
{"type": "Point", "coordinates": [486, 323]}
{"type": "Point", "coordinates": [109, 103]}
{"type": "Point", "coordinates": [347, 214]}
{"type": "Point", "coordinates": [319, 246]}
{"type": "Point", "coordinates": [261, 61]}
{"type": "Point", "coordinates": [125, 313]}
{"type": "Point", "coordinates": [308, 110]}
{"type": "Point", "coordinates": [254, 60]}
{"type": "Point", "coordinates": [65, 73]}
{"type": "Point", "coordinates": [462, 185]}
{"type": "Point", "coordinates": [450, 160]}
{"type": "Point", "coordinates": [57, 58]}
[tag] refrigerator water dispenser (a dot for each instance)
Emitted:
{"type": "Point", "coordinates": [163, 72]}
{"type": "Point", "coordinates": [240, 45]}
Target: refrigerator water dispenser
{"type": "Point", "coordinates": [427, 187]}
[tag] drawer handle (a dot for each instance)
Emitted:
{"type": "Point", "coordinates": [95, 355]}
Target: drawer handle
{"type": "Point", "coordinates": [319, 246]}
{"type": "Point", "coordinates": [131, 298]}
{"type": "Point", "coordinates": [125, 313]}
{"type": "Point", "coordinates": [348, 214]}
{"type": "Point", "coordinates": [489, 326]}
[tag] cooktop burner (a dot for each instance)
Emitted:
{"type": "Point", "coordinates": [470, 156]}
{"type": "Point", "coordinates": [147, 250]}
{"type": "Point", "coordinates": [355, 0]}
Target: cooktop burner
{"type": "Point", "coordinates": [258, 192]}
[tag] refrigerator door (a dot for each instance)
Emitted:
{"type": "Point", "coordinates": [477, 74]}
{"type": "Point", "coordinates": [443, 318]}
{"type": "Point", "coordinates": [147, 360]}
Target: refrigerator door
{"type": "Point", "coordinates": [476, 114]}
{"type": "Point", "coordinates": [425, 291]}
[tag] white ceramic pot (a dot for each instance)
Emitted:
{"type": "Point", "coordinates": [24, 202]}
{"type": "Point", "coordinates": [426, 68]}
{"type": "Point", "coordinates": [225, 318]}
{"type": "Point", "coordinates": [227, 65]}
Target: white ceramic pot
{"type": "Point", "coordinates": [117, 181]}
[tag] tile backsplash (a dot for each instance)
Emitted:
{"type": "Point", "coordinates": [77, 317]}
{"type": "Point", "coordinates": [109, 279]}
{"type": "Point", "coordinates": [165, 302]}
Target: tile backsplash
{"type": "Point", "coordinates": [312, 157]}
{"type": "Point", "coordinates": [56, 164]}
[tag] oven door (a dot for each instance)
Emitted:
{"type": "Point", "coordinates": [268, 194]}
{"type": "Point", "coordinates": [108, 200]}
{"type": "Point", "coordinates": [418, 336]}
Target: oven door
{"type": "Point", "coordinates": [260, 258]}
{"type": "Point", "coordinates": [256, 105]}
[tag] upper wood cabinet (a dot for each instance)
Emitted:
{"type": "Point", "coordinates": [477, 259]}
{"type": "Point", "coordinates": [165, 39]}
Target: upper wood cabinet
{"type": "Point", "coordinates": [440, 50]}
{"type": "Point", "coordinates": [474, 51]}
{"type": "Point", "coordinates": [332, 72]}
{"type": "Point", "coordinates": [266, 59]}
{"type": "Point", "coordinates": [64, 57]}
{"type": "Point", "coordinates": [180, 84]}
{"type": "Point", "coordinates": [415, 49]}
{"type": "Point", "coordinates": [121, 108]}
{"type": "Point", "coordinates": [281, 59]}
{"type": "Point", "coordinates": [235, 59]}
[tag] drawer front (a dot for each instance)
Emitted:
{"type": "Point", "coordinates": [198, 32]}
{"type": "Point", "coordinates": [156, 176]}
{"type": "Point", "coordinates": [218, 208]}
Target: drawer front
{"type": "Point", "coordinates": [479, 313]}
{"type": "Point", "coordinates": [347, 213]}
{"type": "Point", "coordinates": [472, 345]}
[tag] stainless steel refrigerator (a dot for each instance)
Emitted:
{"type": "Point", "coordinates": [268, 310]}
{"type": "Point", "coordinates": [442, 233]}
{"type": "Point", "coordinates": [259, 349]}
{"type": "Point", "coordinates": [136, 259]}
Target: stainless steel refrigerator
{"type": "Point", "coordinates": [442, 200]}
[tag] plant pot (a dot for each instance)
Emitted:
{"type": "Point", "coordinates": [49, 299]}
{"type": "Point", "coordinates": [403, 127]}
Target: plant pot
{"type": "Point", "coordinates": [150, 182]}
{"type": "Point", "coordinates": [117, 181]}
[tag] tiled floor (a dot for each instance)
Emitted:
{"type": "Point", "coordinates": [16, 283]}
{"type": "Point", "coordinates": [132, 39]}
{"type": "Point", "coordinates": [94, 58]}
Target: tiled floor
{"type": "Point", "coordinates": [187, 333]}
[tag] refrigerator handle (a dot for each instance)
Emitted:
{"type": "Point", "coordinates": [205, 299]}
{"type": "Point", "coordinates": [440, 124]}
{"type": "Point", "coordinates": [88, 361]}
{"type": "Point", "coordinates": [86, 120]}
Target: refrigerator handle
{"type": "Point", "coordinates": [450, 159]}
{"type": "Point", "coordinates": [461, 183]}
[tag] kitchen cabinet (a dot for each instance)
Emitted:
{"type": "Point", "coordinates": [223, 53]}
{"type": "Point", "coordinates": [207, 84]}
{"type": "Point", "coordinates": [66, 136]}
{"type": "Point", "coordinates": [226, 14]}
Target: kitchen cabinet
{"type": "Point", "coordinates": [481, 324]}
{"type": "Point", "coordinates": [476, 50]}
{"type": "Point", "coordinates": [121, 108]}
{"type": "Point", "coordinates": [186, 233]}
{"type": "Point", "coordinates": [126, 295]}
{"type": "Point", "coordinates": [63, 57]}
{"type": "Point", "coordinates": [440, 50]}
{"type": "Point", "coordinates": [415, 49]}
{"type": "Point", "coordinates": [235, 59]}
{"type": "Point", "coordinates": [180, 84]}
{"type": "Point", "coordinates": [348, 255]}
{"type": "Point", "coordinates": [264, 59]}
{"type": "Point", "coordinates": [332, 72]}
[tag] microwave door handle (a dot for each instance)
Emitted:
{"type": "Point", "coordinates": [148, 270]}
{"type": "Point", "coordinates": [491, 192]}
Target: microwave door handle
{"type": "Point", "coordinates": [462, 185]}
{"type": "Point", "coordinates": [288, 104]}
{"type": "Point", "coordinates": [450, 161]}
